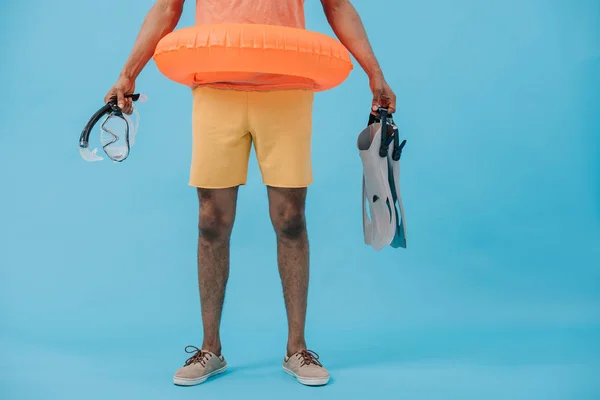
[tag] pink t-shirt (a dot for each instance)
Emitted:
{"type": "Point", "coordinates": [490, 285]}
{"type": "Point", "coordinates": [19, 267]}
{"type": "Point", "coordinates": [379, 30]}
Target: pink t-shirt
{"type": "Point", "coordinates": [270, 12]}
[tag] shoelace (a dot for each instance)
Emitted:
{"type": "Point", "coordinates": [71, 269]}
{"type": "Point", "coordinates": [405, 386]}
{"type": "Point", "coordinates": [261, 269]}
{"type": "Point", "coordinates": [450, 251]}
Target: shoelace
{"type": "Point", "coordinates": [199, 356]}
{"type": "Point", "coordinates": [309, 357]}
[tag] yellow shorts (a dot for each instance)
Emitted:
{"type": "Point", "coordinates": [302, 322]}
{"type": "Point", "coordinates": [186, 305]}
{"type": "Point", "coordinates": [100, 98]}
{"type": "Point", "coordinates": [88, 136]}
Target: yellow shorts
{"type": "Point", "coordinates": [226, 123]}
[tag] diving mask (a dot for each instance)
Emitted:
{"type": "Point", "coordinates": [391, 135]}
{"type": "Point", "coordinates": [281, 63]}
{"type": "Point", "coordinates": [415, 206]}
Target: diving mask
{"type": "Point", "coordinates": [117, 131]}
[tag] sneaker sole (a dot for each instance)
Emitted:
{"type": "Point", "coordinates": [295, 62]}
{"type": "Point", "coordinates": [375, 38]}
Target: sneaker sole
{"type": "Point", "coordinates": [307, 381]}
{"type": "Point", "coordinates": [196, 381]}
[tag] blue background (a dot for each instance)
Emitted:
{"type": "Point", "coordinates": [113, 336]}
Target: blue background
{"type": "Point", "coordinates": [496, 297]}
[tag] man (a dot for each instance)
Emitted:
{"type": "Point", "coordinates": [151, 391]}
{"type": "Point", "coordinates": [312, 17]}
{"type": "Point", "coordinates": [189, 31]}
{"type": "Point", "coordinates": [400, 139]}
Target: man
{"type": "Point", "coordinates": [278, 122]}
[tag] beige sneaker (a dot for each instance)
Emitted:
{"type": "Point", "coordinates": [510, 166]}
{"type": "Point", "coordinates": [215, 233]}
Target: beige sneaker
{"type": "Point", "coordinates": [307, 369]}
{"type": "Point", "coordinates": [199, 367]}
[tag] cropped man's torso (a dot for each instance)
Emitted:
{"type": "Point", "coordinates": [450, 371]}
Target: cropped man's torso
{"type": "Point", "coordinates": [269, 12]}
{"type": "Point", "coordinates": [289, 13]}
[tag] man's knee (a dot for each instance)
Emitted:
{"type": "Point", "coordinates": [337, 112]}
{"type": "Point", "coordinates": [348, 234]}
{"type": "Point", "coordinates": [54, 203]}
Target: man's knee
{"type": "Point", "coordinates": [214, 225]}
{"type": "Point", "coordinates": [289, 222]}
{"type": "Point", "coordinates": [214, 222]}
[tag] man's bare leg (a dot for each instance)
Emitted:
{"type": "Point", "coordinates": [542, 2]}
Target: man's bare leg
{"type": "Point", "coordinates": [217, 214]}
{"type": "Point", "coordinates": [286, 207]}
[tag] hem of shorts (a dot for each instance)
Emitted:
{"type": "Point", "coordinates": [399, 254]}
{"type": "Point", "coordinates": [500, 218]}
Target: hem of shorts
{"type": "Point", "coordinates": [287, 186]}
{"type": "Point", "coordinates": [201, 186]}
{"type": "Point", "coordinates": [253, 88]}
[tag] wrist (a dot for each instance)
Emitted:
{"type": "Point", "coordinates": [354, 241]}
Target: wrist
{"type": "Point", "coordinates": [375, 73]}
{"type": "Point", "coordinates": [127, 74]}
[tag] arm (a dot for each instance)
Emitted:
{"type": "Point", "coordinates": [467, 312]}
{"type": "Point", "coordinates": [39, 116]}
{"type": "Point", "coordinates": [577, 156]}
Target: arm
{"type": "Point", "coordinates": [348, 27]}
{"type": "Point", "coordinates": [160, 21]}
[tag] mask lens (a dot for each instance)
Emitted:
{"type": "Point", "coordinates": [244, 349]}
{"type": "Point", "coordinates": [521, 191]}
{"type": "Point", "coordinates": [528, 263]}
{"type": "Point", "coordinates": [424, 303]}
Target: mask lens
{"type": "Point", "coordinates": [114, 136]}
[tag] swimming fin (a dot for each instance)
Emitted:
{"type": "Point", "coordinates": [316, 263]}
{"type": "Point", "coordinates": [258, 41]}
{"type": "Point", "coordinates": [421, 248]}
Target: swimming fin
{"type": "Point", "coordinates": [383, 222]}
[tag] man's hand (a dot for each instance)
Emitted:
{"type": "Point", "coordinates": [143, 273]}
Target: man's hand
{"type": "Point", "coordinates": [124, 85]}
{"type": "Point", "coordinates": [383, 96]}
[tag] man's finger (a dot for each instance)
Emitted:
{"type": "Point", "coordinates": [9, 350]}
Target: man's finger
{"type": "Point", "coordinates": [120, 98]}
{"type": "Point", "coordinates": [392, 105]}
{"type": "Point", "coordinates": [128, 106]}
{"type": "Point", "coordinates": [375, 105]}
{"type": "Point", "coordinates": [109, 96]}
{"type": "Point", "coordinates": [376, 100]}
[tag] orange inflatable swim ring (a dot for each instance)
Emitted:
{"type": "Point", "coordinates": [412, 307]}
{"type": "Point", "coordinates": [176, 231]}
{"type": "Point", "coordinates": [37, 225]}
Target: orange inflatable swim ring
{"type": "Point", "coordinates": [214, 53]}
